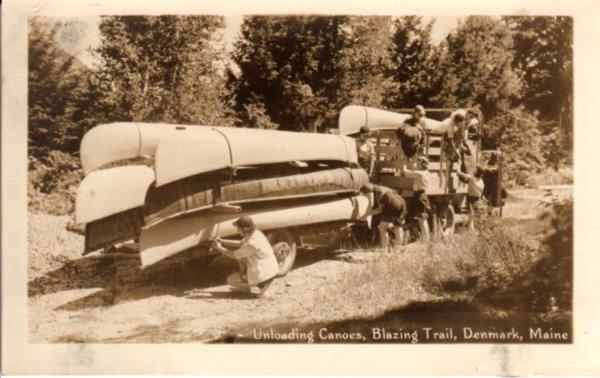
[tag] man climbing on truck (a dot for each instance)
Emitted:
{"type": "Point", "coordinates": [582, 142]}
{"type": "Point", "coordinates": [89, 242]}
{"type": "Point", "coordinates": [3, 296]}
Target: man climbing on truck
{"type": "Point", "coordinates": [412, 135]}
{"type": "Point", "coordinates": [257, 261]}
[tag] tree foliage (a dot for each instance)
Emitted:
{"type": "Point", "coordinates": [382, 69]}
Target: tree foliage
{"type": "Point", "coordinates": [543, 56]}
{"type": "Point", "coordinates": [297, 72]}
{"type": "Point", "coordinates": [476, 67]}
{"type": "Point", "coordinates": [516, 132]}
{"type": "Point", "coordinates": [414, 63]}
{"type": "Point", "coordinates": [60, 92]}
{"type": "Point", "coordinates": [163, 68]}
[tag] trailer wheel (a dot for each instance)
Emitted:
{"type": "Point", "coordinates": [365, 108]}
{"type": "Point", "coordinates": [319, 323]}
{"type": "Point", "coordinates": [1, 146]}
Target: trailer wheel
{"type": "Point", "coordinates": [446, 221]}
{"type": "Point", "coordinates": [284, 246]}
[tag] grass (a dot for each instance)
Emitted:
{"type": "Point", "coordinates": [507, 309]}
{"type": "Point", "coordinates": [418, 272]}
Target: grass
{"type": "Point", "coordinates": [550, 176]}
{"type": "Point", "coordinates": [463, 266]}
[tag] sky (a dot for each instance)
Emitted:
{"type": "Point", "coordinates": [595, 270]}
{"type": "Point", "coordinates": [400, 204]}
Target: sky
{"type": "Point", "coordinates": [81, 34]}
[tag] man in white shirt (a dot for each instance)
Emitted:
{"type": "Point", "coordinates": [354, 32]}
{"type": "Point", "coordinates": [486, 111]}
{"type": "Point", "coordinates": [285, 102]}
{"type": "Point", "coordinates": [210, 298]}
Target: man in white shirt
{"type": "Point", "coordinates": [365, 150]}
{"type": "Point", "coordinates": [420, 202]}
{"type": "Point", "coordinates": [258, 264]}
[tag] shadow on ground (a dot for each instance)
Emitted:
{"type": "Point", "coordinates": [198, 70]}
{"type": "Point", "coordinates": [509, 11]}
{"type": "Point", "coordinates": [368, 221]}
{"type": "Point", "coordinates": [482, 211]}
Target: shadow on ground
{"type": "Point", "coordinates": [119, 278]}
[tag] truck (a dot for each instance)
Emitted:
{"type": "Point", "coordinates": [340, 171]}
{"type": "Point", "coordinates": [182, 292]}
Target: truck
{"type": "Point", "coordinates": [170, 190]}
{"type": "Point", "coordinates": [446, 191]}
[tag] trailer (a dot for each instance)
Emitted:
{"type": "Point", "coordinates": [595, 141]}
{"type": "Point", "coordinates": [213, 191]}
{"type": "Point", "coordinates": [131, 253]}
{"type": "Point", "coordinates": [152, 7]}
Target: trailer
{"type": "Point", "coordinates": [172, 189]}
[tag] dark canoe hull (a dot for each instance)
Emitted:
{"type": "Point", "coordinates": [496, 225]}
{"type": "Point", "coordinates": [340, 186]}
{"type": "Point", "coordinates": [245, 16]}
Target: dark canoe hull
{"type": "Point", "coordinates": [199, 194]}
{"type": "Point", "coordinates": [187, 231]}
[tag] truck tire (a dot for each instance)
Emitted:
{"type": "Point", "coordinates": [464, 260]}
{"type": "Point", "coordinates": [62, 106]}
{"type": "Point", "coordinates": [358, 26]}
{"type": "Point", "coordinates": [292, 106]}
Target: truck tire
{"type": "Point", "coordinates": [284, 246]}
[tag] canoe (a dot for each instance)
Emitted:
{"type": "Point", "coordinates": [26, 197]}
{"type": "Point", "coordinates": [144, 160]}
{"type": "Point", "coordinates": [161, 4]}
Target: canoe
{"type": "Point", "coordinates": [178, 234]}
{"type": "Point", "coordinates": [198, 193]}
{"type": "Point", "coordinates": [185, 154]}
{"type": "Point", "coordinates": [110, 191]}
{"type": "Point", "coordinates": [352, 117]}
{"type": "Point", "coordinates": [109, 219]}
{"type": "Point", "coordinates": [113, 142]}
{"type": "Point", "coordinates": [110, 143]}
{"type": "Point", "coordinates": [115, 228]}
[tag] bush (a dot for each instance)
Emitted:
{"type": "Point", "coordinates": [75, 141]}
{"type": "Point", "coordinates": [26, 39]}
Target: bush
{"type": "Point", "coordinates": [472, 262]}
{"type": "Point", "coordinates": [551, 176]}
{"type": "Point", "coordinates": [545, 290]}
{"type": "Point", "coordinates": [555, 146]}
{"type": "Point", "coordinates": [53, 182]}
{"type": "Point", "coordinates": [516, 133]}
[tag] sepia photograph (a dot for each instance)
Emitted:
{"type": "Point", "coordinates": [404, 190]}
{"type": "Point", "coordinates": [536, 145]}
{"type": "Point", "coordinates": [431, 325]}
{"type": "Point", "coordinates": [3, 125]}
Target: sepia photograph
{"type": "Point", "coordinates": [300, 178]}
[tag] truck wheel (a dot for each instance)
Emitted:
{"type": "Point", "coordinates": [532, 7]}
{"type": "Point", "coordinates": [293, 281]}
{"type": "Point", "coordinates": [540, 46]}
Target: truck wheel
{"type": "Point", "coordinates": [284, 246]}
{"type": "Point", "coordinates": [446, 223]}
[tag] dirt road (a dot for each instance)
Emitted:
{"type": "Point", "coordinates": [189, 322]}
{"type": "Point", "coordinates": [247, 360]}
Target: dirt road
{"type": "Point", "coordinates": [108, 299]}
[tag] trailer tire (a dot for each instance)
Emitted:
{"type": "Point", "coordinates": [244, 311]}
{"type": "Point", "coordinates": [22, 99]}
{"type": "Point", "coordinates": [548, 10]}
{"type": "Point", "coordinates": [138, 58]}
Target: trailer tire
{"type": "Point", "coordinates": [285, 248]}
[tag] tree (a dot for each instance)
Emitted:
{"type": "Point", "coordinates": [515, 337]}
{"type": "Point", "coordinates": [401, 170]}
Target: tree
{"type": "Point", "coordinates": [476, 67]}
{"type": "Point", "coordinates": [543, 56]}
{"type": "Point", "coordinates": [517, 133]}
{"type": "Point", "coordinates": [163, 68]}
{"type": "Point", "coordinates": [60, 92]}
{"type": "Point", "coordinates": [414, 63]}
{"type": "Point", "coordinates": [297, 72]}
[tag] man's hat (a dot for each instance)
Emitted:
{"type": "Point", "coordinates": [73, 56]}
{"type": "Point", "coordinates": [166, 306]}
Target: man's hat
{"type": "Point", "coordinates": [419, 109]}
{"type": "Point", "coordinates": [244, 222]}
{"type": "Point", "coordinates": [423, 159]}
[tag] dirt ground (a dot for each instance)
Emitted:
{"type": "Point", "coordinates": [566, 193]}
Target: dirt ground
{"type": "Point", "coordinates": [108, 299]}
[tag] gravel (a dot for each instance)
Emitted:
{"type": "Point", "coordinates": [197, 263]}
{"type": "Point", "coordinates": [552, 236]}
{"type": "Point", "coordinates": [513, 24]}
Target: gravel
{"type": "Point", "coordinates": [50, 245]}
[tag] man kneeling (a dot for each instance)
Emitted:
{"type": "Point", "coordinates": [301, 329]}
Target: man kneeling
{"type": "Point", "coordinates": [258, 264]}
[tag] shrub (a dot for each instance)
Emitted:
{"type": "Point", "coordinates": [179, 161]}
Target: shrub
{"type": "Point", "coordinates": [472, 262]}
{"type": "Point", "coordinates": [516, 133]}
{"type": "Point", "coordinates": [551, 176]}
{"type": "Point", "coordinates": [53, 182]}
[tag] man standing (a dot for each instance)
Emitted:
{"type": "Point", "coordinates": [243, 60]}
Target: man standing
{"type": "Point", "coordinates": [474, 192]}
{"type": "Point", "coordinates": [412, 134]}
{"type": "Point", "coordinates": [365, 150]}
{"type": "Point", "coordinates": [258, 264]}
{"type": "Point", "coordinates": [420, 202]}
{"type": "Point", "coordinates": [456, 134]}
{"type": "Point", "coordinates": [392, 208]}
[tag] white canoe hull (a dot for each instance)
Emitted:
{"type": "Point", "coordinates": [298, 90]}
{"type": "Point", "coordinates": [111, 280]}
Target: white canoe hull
{"type": "Point", "coordinates": [352, 117]}
{"type": "Point", "coordinates": [111, 191]}
{"type": "Point", "coordinates": [186, 154]}
{"type": "Point", "coordinates": [109, 143]}
{"type": "Point", "coordinates": [178, 234]}
{"type": "Point", "coordinates": [184, 150]}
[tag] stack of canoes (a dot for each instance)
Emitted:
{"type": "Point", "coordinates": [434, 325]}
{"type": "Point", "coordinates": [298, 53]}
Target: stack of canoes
{"type": "Point", "coordinates": [173, 187]}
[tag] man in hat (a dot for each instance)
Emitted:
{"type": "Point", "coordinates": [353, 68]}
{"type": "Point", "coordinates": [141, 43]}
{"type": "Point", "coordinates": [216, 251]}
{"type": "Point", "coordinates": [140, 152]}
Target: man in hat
{"type": "Point", "coordinates": [392, 208]}
{"type": "Point", "coordinates": [456, 134]}
{"type": "Point", "coordinates": [365, 150]}
{"type": "Point", "coordinates": [258, 264]}
{"type": "Point", "coordinates": [420, 207]}
{"type": "Point", "coordinates": [412, 134]}
{"type": "Point", "coordinates": [474, 192]}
